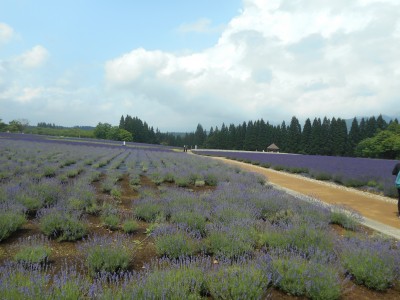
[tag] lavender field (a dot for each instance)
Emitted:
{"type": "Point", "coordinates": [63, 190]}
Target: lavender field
{"type": "Point", "coordinates": [80, 220]}
{"type": "Point", "coordinates": [82, 141]}
{"type": "Point", "coordinates": [370, 174]}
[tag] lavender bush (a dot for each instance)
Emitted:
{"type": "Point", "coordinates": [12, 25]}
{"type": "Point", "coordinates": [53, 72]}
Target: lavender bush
{"type": "Point", "coordinates": [243, 280]}
{"type": "Point", "coordinates": [130, 226]}
{"type": "Point", "coordinates": [345, 218]}
{"type": "Point", "coordinates": [80, 197]}
{"type": "Point", "coordinates": [297, 276]}
{"type": "Point", "coordinates": [11, 219]}
{"type": "Point", "coordinates": [323, 281]}
{"type": "Point", "coordinates": [195, 221]}
{"type": "Point", "coordinates": [134, 180]}
{"type": "Point", "coordinates": [174, 283]}
{"type": "Point", "coordinates": [32, 193]}
{"type": "Point", "coordinates": [231, 241]}
{"type": "Point", "coordinates": [22, 282]}
{"type": "Point", "coordinates": [33, 250]}
{"type": "Point", "coordinates": [373, 263]}
{"type": "Point", "coordinates": [147, 209]}
{"type": "Point", "coordinates": [68, 283]}
{"type": "Point", "coordinates": [300, 237]}
{"type": "Point", "coordinates": [110, 216]}
{"type": "Point", "coordinates": [176, 242]}
{"type": "Point", "coordinates": [61, 224]}
{"type": "Point", "coordinates": [106, 253]}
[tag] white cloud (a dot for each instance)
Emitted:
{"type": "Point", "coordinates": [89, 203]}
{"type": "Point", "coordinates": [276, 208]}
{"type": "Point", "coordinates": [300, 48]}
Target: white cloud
{"type": "Point", "coordinates": [20, 74]}
{"type": "Point", "coordinates": [202, 25]}
{"type": "Point", "coordinates": [28, 94]}
{"type": "Point", "coordinates": [138, 63]}
{"type": "Point", "coordinates": [6, 33]}
{"type": "Point", "coordinates": [276, 59]}
{"type": "Point", "coordinates": [34, 57]}
{"type": "Point", "coordinates": [55, 105]}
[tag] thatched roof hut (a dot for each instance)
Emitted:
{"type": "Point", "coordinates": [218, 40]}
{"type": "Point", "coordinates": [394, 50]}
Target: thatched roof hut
{"type": "Point", "coordinates": [272, 148]}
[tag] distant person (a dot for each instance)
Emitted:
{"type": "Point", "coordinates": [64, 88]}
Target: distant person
{"type": "Point", "coordinates": [396, 172]}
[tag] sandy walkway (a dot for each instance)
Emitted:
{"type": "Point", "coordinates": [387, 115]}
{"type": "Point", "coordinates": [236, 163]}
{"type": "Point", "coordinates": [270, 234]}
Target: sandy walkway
{"type": "Point", "coordinates": [378, 209]}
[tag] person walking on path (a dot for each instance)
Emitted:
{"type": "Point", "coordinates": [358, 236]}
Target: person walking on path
{"type": "Point", "coordinates": [396, 172]}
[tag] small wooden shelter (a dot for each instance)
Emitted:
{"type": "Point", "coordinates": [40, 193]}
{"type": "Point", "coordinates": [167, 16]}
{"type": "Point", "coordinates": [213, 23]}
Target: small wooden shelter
{"type": "Point", "coordinates": [273, 148]}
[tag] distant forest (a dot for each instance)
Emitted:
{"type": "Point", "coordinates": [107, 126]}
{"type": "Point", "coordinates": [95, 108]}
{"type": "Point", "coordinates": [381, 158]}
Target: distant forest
{"type": "Point", "coordinates": [371, 137]}
{"type": "Point", "coordinates": [367, 137]}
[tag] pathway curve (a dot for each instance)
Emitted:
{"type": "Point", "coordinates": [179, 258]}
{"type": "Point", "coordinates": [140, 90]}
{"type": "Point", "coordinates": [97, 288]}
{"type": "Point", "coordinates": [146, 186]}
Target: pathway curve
{"type": "Point", "coordinates": [380, 213]}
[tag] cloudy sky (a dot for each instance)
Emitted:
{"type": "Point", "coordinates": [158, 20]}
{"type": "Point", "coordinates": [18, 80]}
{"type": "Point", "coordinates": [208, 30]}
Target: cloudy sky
{"type": "Point", "coordinates": [178, 63]}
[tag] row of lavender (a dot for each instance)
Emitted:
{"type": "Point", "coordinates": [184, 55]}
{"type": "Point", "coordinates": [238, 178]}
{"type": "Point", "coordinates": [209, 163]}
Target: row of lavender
{"type": "Point", "coordinates": [83, 141]}
{"type": "Point", "coordinates": [349, 171]}
{"type": "Point", "coordinates": [235, 240]}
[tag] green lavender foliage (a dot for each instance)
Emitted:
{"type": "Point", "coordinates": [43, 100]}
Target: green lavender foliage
{"type": "Point", "coordinates": [373, 263]}
{"type": "Point", "coordinates": [10, 221]}
{"type": "Point", "coordinates": [62, 226]}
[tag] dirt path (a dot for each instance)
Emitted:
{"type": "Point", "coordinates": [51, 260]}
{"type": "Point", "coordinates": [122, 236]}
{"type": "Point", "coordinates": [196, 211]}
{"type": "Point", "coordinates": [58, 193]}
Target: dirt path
{"type": "Point", "coordinates": [376, 208]}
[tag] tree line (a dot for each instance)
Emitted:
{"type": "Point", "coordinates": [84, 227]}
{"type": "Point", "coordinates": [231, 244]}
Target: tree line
{"type": "Point", "coordinates": [368, 137]}
{"type": "Point", "coordinates": [317, 137]}
{"type": "Point", "coordinates": [143, 133]}
{"type": "Point", "coordinates": [322, 137]}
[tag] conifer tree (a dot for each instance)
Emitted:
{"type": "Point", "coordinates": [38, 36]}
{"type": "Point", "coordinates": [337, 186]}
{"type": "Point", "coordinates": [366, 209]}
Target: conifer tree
{"type": "Point", "coordinates": [294, 136]}
{"type": "Point", "coordinates": [240, 136]}
{"type": "Point", "coordinates": [223, 137]}
{"type": "Point", "coordinates": [381, 124]}
{"type": "Point", "coordinates": [232, 137]}
{"type": "Point", "coordinates": [199, 136]}
{"type": "Point", "coordinates": [339, 136]}
{"type": "Point", "coordinates": [362, 127]}
{"type": "Point", "coordinates": [354, 137]}
{"type": "Point", "coordinates": [306, 137]}
{"type": "Point", "coordinates": [326, 138]}
{"type": "Point", "coordinates": [316, 136]}
{"type": "Point", "coordinates": [250, 140]}
{"type": "Point", "coordinates": [122, 123]}
{"type": "Point", "coordinates": [262, 135]}
{"type": "Point", "coordinates": [371, 127]}
{"type": "Point", "coordinates": [282, 136]}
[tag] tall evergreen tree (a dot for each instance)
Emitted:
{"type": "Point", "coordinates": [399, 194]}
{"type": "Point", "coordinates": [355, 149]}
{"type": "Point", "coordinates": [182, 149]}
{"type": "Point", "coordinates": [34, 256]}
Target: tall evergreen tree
{"type": "Point", "coordinates": [294, 136]}
{"type": "Point", "coordinates": [306, 137]}
{"type": "Point", "coordinates": [381, 124]}
{"type": "Point", "coordinates": [250, 140]}
{"type": "Point", "coordinates": [281, 136]}
{"type": "Point", "coordinates": [316, 136]}
{"type": "Point", "coordinates": [212, 140]}
{"type": "Point", "coordinates": [232, 137]}
{"type": "Point", "coordinates": [240, 136]}
{"type": "Point", "coordinates": [326, 138]}
{"type": "Point", "coordinates": [262, 135]}
{"type": "Point", "coordinates": [339, 136]}
{"type": "Point", "coordinates": [209, 142]}
{"type": "Point", "coordinates": [199, 136]}
{"type": "Point", "coordinates": [354, 137]}
{"type": "Point", "coordinates": [363, 129]}
{"type": "Point", "coordinates": [122, 123]}
{"type": "Point", "coordinates": [223, 137]}
{"type": "Point", "coordinates": [371, 127]}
